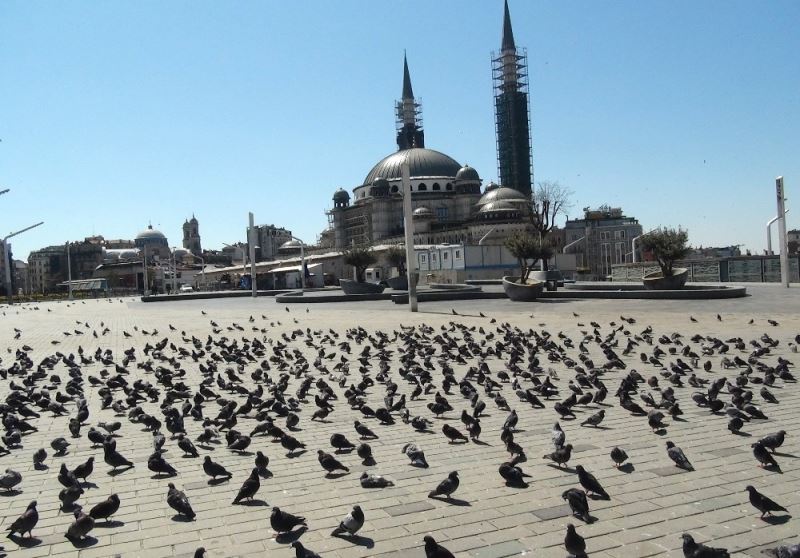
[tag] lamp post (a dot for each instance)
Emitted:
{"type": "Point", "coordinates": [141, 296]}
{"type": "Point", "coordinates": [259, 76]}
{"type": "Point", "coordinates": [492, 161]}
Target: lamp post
{"type": "Point", "coordinates": [8, 259]}
{"type": "Point", "coordinates": [781, 198]}
{"type": "Point", "coordinates": [251, 244]}
{"type": "Point", "coordinates": [302, 264]}
{"type": "Point", "coordinates": [69, 272]}
{"type": "Point", "coordinates": [408, 225]}
{"type": "Point", "coordinates": [144, 270]}
{"type": "Point", "coordinates": [769, 233]}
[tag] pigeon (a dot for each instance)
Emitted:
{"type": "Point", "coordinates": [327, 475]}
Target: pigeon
{"type": "Point", "coordinates": [576, 498]}
{"type": "Point", "coordinates": [10, 479]}
{"type": "Point", "coordinates": [447, 487]}
{"type": "Point", "coordinates": [341, 443]}
{"type": "Point", "coordinates": [512, 474]}
{"type": "Point", "coordinates": [764, 457]}
{"type": "Point", "coordinates": [590, 483]}
{"type": "Point", "coordinates": [558, 436]}
{"type": "Point", "coordinates": [574, 543]}
{"type": "Point", "coordinates": [416, 455]}
{"type": "Point", "coordinates": [302, 552]}
{"type": "Point", "coordinates": [560, 456]}
{"type": "Point", "coordinates": [595, 419]}
{"type": "Point", "coordinates": [70, 495]}
{"type": "Point", "coordinates": [249, 487]}
{"type": "Point", "coordinates": [214, 470]}
{"type": "Point", "coordinates": [291, 444]}
{"type": "Point", "coordinates": [186, 445]}
{"type": "Point", "coordinates": [364, 451]}
{"type": "Point", "coordinates": [25, 522]}
{"type": "Point", "coordinates": [106, 508]}
{"type": "Point", "coordinates": [262, 462]}
{"type": "Point", "coordinates": [511, 421]}
{"type": "Point", "coordinates": [374, 481]}
{"type": "Point", "coordinates": [618, 456]}
{"type": "Point", "coordinates": [80, 527]}
{"type": "Point", "coordinates": [453, 434]}
{"type": "Point", "coordinates": [784, 551]}
{"type": "Point", "coordinates": [113, 457]}
{"type": "Point", "coordinates": [178, 501]}
{"type": "Point", "coordinates": [676, 454]}
{"type": "Point", "coordinates": [364, 431]}
{"type": "Point", "coordinates": [691, 549]}
{"type": "Point", "coordinates": [283, 522]}
{"type": "Point", "coordinates": [773, 441]}
{"type": "Point", "coordinates": [762, 503]}
{"type": "Point", "coordinates": [330, 463]}
{"type": "Point", "coordinates": [434, 549]}
{"type": "Point", "coordinates": [60, 445]}
{"type": "Point", "coordinates": [159, 465]}
{"type": "Point", "coordinates": [351, 524]}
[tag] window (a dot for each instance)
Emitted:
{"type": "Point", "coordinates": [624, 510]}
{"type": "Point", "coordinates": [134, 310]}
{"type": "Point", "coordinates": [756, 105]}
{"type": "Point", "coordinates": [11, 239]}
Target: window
{"type": "Point", "coordinates": [444, 256]}
{"type": "Point", "coordinates": [423, 258]}
{"type": "Point", "coordinates": [458, 254]}
{"type": "Point", "coordinates": [441, 213]}
{"type": "Point", "coordinates": [619, 252]}
{"type": "Point", "coordinates": [619, 235]}
{"type": "Point", "coordinates": [448, 187]}
{"type": "Point", "coordinates": [394, 189]}
{"type": "Point", "coordinates": [433, 257]}
{"type": "Point", "coordinates": [436, 186]}
{"type": "Point", "coordinates": [422, 187]}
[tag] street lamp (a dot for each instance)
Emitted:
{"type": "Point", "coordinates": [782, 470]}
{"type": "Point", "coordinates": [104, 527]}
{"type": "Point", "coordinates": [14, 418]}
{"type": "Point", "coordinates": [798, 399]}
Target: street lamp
{"type": "Point", "coordinates": [69, 272]}
{"type": "Point", "coordinates": [8, 260]}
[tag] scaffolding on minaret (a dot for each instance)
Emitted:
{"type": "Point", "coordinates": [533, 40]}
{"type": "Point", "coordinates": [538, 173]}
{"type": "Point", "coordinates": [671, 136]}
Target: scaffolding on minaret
{"type": "Point", "coordinates": [408, 115]}
{"type": "Point", "coordinates": [512, 112]}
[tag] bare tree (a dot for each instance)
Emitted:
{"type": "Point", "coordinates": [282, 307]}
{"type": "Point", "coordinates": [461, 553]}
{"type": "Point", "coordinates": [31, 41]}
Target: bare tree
{"type": "Point", "coordinates": [549, 200]}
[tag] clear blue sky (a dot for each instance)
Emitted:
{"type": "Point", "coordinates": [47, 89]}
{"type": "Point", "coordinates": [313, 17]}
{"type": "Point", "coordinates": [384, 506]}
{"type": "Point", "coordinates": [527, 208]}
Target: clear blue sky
{"type": "Point", "coordinates": [114, 114]}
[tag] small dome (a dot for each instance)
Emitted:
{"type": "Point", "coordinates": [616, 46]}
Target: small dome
{"type": "Point", "coordinates": [150, 233]}
{"type": "Point", "coordinates": [290, 245]}
{"type": "Point", "coordinates": [341, 195]}
{"type": "Point", "coordinates": [380, 182]}
{"type": "Point", "coordinates": [180, 252]}
{"type": "Point", "coordinates": [502, 194]}
{"type": "Point", "coordinates": [467, 174]}
{"type": "Point", "coordinates": [423, 213]}
{"type": "Point", "coordinates": [497, 206]}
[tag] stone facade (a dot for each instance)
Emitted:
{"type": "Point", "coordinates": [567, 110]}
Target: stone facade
{"type": "Point", "coordinates": [607, 240]}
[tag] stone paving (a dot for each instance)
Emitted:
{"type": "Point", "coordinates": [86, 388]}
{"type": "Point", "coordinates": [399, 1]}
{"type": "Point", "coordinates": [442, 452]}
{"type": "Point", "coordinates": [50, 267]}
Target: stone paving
{"type": "Point", "coordinates": [652, 502]}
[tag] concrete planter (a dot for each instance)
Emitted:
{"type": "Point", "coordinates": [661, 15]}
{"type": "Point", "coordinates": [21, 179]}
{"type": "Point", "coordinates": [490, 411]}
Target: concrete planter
{"type": "Point", "coordinates": [656, 282]}
{"type": "Point", "coordinates": [352, 287]}
{"type": "Point", "coordinates": [399, 283]}
{"type": "Point", "coordinates": [551, 278]}
{"type": "Point", "coordinates": [518, 292]}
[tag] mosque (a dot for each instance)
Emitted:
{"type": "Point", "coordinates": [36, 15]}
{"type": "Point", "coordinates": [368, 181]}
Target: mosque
{"type": "Point", "coordinates": [448, 201]}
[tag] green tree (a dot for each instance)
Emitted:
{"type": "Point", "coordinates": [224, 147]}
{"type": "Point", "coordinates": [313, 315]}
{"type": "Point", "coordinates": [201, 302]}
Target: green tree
{"type": "Point", "coordinates": [528, 249]}
{"type": "Point", "coordinates": [360, 259]}
{"type": "Point", "coordinates": [667, 245]}
{"type": "Point", "coordinates": [396, 256]}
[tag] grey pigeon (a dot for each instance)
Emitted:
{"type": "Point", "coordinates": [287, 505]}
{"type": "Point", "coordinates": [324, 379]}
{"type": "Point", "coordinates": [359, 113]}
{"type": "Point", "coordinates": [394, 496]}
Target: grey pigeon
{"type": "Point", "coordinates": [784, 551]}
{"type": "Point", "coordinates": [159, 465]}
{"type": "Point", "coordinates": [60, 445]}
{"type": "Point", "coordinates": [106, 508]}
{"type": "Point", "coordinates": [302, 552]}
{"type": "Point", "coordinates": [574, 543]}
{"type": "Point", "coordinates": [70, 495]}
{"type": "Point", "coordinates": [590, 483]}
{"type": "Point", "coordinates": [351, 524]}
{"type": "Point", "coordinates": [83, 470]}
{"type": "Point", "coordinates": [676, 454]}
{"type": "Point", "coordinates": [560, 456]}
{"type": "Point", "coordinates": [773, 441]}
{"type": "Point", "coordinates": [25, 522]}
{"type": "Point", "coordinates": [692, 549]}
{"type": "Point", "coordinates": [213, 469]}
{"type": "Point", "coordinates": [283, 522]}
{"type": "Point", "coordinates": [10, 479]}
{"type": "Point", "coordinates": [618, 456]}
{"type": "Point", "coordinates": [38, 457]}
{"type": "Point", "coordinates": [113, 457]}
{"type": "Point", "coordinates": [576, 498]}
{"type": "Point", "coordinates": [330, 463]}
{"type": "Point", "coordinates": [374, 481]}
{"type": "Point", "coordinates": [434, 549]}
{"type": "Point", "coordinates": [249, 487]}
{"type": "Point", "coordinates": [80, 527]}
{"type": "Point", "coordinates": [595, 419]}
{"type": "Point", "coordinates": [416, 455]}
{"type": "Point", "coordinates": [447, 487]}
{"type": "Point", "coordinates": [512, 474]}
{"type": "Point", "coordinates": [763, 503]}
{"type": "Point", "coordinates": [186, 445]}
{"type": "Point", "coordinates": [178, 501]}
{"type": "Point", "coordinates": [764, 457]}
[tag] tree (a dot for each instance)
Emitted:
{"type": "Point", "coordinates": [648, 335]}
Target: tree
{"type": "Point", "coordinates": [668, 246]}
{"type": "Point", "coordinates": [548, 200]}
{"type": "Point", "coordinates": [396, 256]}
{"type": "Point", "coordinates": [528, 249]}
{"type": "Point", "coordinates": [361, 259]}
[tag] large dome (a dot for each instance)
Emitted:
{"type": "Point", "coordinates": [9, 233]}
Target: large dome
{"type": "Point", "coordinates": [421, 162]}
{"type": "Point", "coordinates": [150, 233]}
{"type": "Point", "coordinates": [502, 194]}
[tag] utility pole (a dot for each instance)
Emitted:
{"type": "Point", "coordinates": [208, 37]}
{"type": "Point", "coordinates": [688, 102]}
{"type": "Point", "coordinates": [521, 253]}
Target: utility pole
{"type": "Point", "coordinates": [781, 198]}
{"type": "Point", "coordinates": [69, 272]}
{"type": "Point", "coordinates": [411, 258]}
{"type": "Point", "coordinates": [144, 268]}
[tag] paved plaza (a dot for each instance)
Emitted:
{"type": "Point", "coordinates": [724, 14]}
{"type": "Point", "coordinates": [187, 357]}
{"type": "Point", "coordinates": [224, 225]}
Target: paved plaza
{"type": "Point", "coordinates": [652, 502]}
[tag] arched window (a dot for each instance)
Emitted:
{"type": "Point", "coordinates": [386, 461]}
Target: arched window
{"type": "Point", "coordinates": [394, 189]}
{"type": "Point", "coordinates": [448, 187]}
{"type": "Point", "coordinates": [436, 186]}
{"type": "Point", "coordinates": [422, 187]}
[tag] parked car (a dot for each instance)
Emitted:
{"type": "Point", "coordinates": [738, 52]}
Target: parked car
{"type": "Point", "coordinates": [186, 288]}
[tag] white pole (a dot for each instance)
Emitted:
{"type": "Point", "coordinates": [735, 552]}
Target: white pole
{"type": "Point", "coordinates": [252, 246]}
{"type": "Point", "coordinates": [769, 234]}
{"type": "Point", "coordinates": [782, 231]}
{"type": "Point", "coordinates": [411, 258]}
{"type": "Point", "coordinates": [69, 272]}
{"type": "Point", "coordinates": [144, 270]}
{"type": "Point", "coordinates": [7, 265]}
{"type": "Point", "coordinates": [302, 268]}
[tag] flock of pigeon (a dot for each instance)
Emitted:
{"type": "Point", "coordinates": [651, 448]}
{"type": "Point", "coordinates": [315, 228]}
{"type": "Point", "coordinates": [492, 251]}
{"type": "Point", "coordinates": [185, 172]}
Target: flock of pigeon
{"type": "Point", "coordinates": [242, 386]}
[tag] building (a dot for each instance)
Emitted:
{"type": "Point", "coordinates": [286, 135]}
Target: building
{"type": "Point", "coordinates": [154, 242]}
{"type": "Point", "coordinates": [448, 203]}
{"type": "Point", "coordinates": [268, 239]}
{"type": "Point", "coordinates": [191, 236]}
{"type": "Point", "coordinates": [512, 120]}
{"type": "Point", "coordinates": [50, 266]}
{"type": "Point", "coordinates": [603, 237]}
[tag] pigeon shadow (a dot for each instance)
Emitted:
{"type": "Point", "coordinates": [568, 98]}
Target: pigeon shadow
{"type": "Point", "coordinates": [115, 472]}
{"type": "Point", "coordinates": [25, 542]}
{"type": "Point", "coordinates": [660, 432]}
{"type": "Point", "coordinates": [294, 454]}
{"type": "Point", "coordinates": [12, 492]}
{"type": "Point", "coordinates": [369, 462]}
{"type": "Point", "coordinates": [781, 454]}
{"type": "Point", "coordinates": [190, 456]}
{"type": "Point", "coordinates": [290, 536]}
{"type": "Point", "coordinates": [601, 427]}
{"type": "Point", "coordinates": [343, 450]}
{"type": "Point", "coordinates": [109, 524]}
{"type": "Point", "coordinates": [597, 497]}
{"type": "Point", "coordinates": [520, 484]}
{"type": "Point", "coordinates": [480, 442]}
{"type": "Point", "coordinates": [243, 453]}
{"type": "Point", "coordinates": [565, 469]}
{"type": "Point", "coordinates": [776, 519]}
{"type": "Point", "coordinates": [452, 501]}
{"type": "Point", "coordinates": [41, 467]}
{"type": "Point", "coordinates": [158, 476]}
{"type": "Point", "coordinates": [215, 482]}
{"type": "Point", "coordinates": [366, 542]}
{"type": "Point", "coordinates": [85, 542]}
{"type": "Point", "coordinates": [254, 502]}
{"type": "Point", "coordinates": [627, 468]}
{"type": "Point", "coordinates": [742, 434]}
{"type": "Point", "coordinates": [265, 474]}
{"type": "Point", "coordinates": [336, 475]}
{"type": "Point", "coordinates": [678, 419]}
{"type": "Point", "coordinates": [180, 518]}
